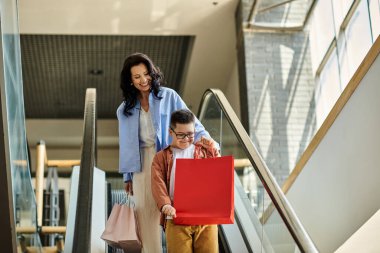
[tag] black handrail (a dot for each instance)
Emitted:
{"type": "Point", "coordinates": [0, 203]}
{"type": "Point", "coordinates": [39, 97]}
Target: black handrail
{"type": "Point", "coordinates": [299, 234]}
{"type": "Point", "coordinates": [82, 231]}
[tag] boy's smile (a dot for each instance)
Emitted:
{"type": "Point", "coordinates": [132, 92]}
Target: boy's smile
{"type": "Point", "coordinates": [183, 135]}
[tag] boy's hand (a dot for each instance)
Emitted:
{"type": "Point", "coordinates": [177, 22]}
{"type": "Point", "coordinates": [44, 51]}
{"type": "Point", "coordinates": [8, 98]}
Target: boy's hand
{"type": "Point", "coordinates": [206, 143]}
{"type": "Point", "coordinates": [129, 187]}
{"type": "Point", "coordinates": [169, 210]}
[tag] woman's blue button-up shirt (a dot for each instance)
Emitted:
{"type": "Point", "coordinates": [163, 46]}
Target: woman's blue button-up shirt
{"type": "Point", "coordinates": [160, 109]}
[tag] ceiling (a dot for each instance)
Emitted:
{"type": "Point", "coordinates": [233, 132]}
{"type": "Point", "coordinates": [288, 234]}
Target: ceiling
{"type": "Point", "coordinates": [57, 70]}
{"type": "Point", "coordinates": [193, 42]}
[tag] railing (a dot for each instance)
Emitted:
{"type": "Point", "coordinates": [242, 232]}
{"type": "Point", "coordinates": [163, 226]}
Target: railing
{"type": "Point", "coordinates": [87, 161]}
{"type": "Point", "coordinates": [81, 237]}
{"type": "Point", "coordinates": [217, 115]}
{"type": "Point", "coordinates": [42, 164]}
{"type": "Point", "coordinates": [22, 231]}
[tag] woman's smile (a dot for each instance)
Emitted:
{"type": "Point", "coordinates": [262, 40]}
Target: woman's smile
{"type": "Point", "coordinates": [141, 78]}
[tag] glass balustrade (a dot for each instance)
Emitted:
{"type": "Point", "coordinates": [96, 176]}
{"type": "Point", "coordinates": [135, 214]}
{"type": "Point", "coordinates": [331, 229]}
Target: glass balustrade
{"type": "Point", "coordinates": [270, 228]}
{"type": "Point", "coordinates": [23, 193]}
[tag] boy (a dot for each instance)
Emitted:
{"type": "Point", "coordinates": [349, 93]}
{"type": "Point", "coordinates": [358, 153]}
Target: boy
{"type": "Point", "coordinates": [180, 238]}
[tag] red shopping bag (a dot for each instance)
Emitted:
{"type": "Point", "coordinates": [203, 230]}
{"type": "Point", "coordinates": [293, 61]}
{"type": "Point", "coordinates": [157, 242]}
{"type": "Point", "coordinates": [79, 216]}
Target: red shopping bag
{"type": "Point", "coordinates": [204, 191]}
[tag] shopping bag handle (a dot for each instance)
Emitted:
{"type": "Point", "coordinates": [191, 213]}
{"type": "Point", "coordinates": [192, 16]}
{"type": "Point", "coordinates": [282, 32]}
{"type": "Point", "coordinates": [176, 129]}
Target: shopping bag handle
{"type": "Point", "coordinates": [127, 200]}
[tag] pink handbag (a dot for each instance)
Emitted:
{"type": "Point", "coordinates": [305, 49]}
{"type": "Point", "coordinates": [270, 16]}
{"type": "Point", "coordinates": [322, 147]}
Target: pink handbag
{"type": "Point", "coordinates": [122, 229]}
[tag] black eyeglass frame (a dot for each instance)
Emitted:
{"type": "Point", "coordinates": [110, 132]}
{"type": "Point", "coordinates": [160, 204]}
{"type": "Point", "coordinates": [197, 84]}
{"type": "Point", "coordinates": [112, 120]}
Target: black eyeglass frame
{"type": "Point", "coordinates": [183, 135]}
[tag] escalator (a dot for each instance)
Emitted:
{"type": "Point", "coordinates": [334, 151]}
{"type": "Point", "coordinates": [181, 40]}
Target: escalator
{"type": "Point", "coordinates": [88, 193]}
{"type": "Point", "coordinates": [88, 189]}
{"type": "Point", "coordinates": [255, 190]}
{"type": "Point", "coordinates": [264, 219]}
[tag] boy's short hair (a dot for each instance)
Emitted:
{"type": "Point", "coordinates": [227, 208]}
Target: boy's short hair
{"type": "Point", "coordinates": [182, 116]}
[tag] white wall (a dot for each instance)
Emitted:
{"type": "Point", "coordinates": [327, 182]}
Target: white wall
{"type": "Point", "coordinates": [339, 187]}
{"type": "Point", "coordinates": [365, 239]}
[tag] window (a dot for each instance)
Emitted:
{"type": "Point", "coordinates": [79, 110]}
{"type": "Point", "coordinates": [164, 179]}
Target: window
{"type": "Point", "coordinates": [358, 37]}
{"type": "Point", "coordinates": [343, 61]}
{"type": "Point", "coordinates": [340, 9]}
{"type": "Point", "coordinates": [353, 40]}
{"type": "Point", "coordinates": [329, 89]}
{"type": "Point", "coordinates": [321, 32]}
{"type": "Point", "coordinates": [374, 11]}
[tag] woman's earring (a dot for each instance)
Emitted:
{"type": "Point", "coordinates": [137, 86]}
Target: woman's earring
{"type": "Point", "coordinates": [131, 84]}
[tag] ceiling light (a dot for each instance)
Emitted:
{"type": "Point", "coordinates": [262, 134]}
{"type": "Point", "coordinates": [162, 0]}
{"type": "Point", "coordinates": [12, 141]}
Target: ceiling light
{"type": "Point", "coordinates": [96, 72]}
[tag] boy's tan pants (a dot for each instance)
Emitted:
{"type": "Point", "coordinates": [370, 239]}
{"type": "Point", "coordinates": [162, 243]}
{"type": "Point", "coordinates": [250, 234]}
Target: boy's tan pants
{"type": "Point", "coordinates": [191, 239]}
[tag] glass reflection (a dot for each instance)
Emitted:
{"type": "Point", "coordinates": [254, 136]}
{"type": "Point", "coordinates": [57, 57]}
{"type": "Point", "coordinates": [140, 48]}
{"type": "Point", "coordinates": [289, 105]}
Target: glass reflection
{"type": "Point", "coordinates": [23, 193]}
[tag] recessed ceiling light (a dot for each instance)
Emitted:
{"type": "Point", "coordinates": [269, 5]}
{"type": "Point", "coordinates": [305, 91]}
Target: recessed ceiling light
{"type": "Point", "coordinates": [96, 72]}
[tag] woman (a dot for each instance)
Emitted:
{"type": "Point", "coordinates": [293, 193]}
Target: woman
{"type": "Point", "coordinates": [144, 118]}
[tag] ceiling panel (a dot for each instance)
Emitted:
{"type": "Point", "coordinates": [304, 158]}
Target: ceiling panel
{"type": "Point", "coordinates": [57, 69]}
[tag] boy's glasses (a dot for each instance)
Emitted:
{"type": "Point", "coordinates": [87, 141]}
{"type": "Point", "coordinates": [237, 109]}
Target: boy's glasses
{"type": "Point", "coordinates": [183, 135]}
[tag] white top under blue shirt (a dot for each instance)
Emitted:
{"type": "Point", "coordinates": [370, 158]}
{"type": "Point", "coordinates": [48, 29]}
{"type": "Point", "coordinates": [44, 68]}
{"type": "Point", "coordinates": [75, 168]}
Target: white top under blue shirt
{"type": "Point", "coordinates": [146, 131]}
{"type": "Point", "coordinates": [160, 111]}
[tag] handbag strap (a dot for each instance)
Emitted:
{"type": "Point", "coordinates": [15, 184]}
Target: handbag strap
{"type": "Point", "coordinates": [127, 200]}
{"type": "Point", "coordinates": [122, 198]}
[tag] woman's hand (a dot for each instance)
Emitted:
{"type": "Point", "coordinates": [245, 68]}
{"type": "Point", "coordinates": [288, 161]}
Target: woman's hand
{"type": "Point", "coordinates": [169, 210]}
{"type": "Point", "coordinates": [129, 187]}
{"type": "Point", "coordinates": [206, 143]}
